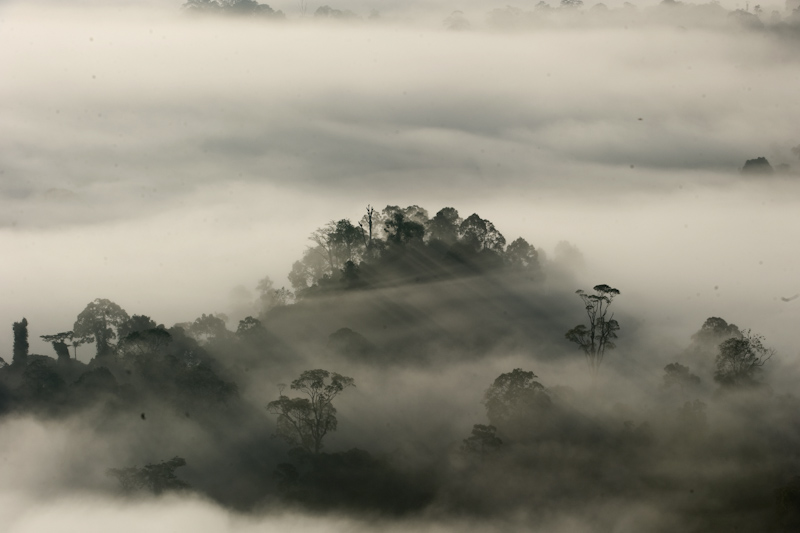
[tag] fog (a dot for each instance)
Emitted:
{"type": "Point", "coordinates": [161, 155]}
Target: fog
{"type": "Point", "coordinates": [168, 162]}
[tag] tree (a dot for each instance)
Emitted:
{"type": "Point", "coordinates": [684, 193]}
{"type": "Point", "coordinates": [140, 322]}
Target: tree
{"type": "Point", "coordinates": [134, 324]}
{"type": "Point", "coordinates": [149, 342]}
{"type": "Point", "coordinates": [400, 230]}
{"type": "Point", "coordinates": [98, 323]}
{"type": "Point", "coordinates": [715, 330]}
{"type": "Point", "coordinates": [522, 257]}
{"type": "Point", "coordinates": [20, 357]}
{"type": "Point", "coordinates": [740, 359]}
{"type": "Point", "coordinates": [348, 240]}
{"type": "Point", "coordinates": [677, 374]}
{"type": "Point", "coordinates": [59, 344]}
{"type": "Point", "coordinates": [304, 422]}
{"type": "Point", "coordinates": [444, 226]}
{"type": "Point", "coordinates": [369, 220]}
{"type": "Point", "coordinates": [208, 328]}
{"type": "Point", "coordinates": [601, 332]}
{"type": "Point", "coordinates": [513, 394]}
{"type": "Point", "coordinates": [156, 478]}
{"type": "Point", "coordinates": [759, 165]}
{"type": "Point", "coordinates": [480, 234]}
{"type": "Point", "coordinates": [249, 326]}
{"type": "Point", "coordinates": [482, 441]}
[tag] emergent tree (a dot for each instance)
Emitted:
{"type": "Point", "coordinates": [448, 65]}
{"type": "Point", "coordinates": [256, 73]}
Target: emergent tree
{"type": "Point", "coordinates": [740, 360]}
{"type": "Point", "coordinates": [20, 357]}
{"type": "Point", "coordinates": [599, 335]}
{"type": "Point", "coordinates": [98, 323]}
{"type": "Point", "coordinates": [304, 422]}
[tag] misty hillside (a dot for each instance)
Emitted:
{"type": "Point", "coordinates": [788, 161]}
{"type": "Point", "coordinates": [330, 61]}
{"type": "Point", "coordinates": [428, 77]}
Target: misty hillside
{"type": "Point", "coordinates": [399, 266]}
{"type": "Point", "coordinates": [387, 335]}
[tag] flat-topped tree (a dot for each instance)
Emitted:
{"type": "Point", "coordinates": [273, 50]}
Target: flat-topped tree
{"type": "Point", "coordinates": [599, 335]}
{"type": "Point", "coordinates": [59, 342]}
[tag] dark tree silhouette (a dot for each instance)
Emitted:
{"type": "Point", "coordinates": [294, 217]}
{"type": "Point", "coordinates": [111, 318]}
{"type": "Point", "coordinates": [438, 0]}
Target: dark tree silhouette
{"type": "Point", "coordinates": [599, 335]}
{"type": "Point", "coordinates": [759, 165]}
{"type": "Point", "coordinates": [98, 323]}
{"type": "Point", "coordinates": [480, 234]}
{"type": "Point", "coordinates": [155, 478]}
{"type": "Point", "coordinates": [20, 356]}
{"type": "Point", "coordinates": [512, 394]}
{"type": "Point", "coordinates": [134, 324]}
{"type": "Point", "coordinates": [304, 422]}
{"type": "Point", "coordinates": [740, 359]}
{"type": "Point", "coordinates": [522, 257]}
{"type": "Point", "coordinates": [715, 330]}
{"type": "Point", "coordinates": [59, 344]}
{"type": "Point", "coordinates": [249, 326]}
{"type": "Point", "coordinates": [369, 219]}
{"type": "Point", "coordinates": [444, 226]}
{"type": "Point", "coordinates": [676, 374]}
{"type": "Point", "coordinates": [482, 441]}
{"type": "Point", "coordinates": [207, 328]}
{"type": "Point", "coordinates": [400, 230]}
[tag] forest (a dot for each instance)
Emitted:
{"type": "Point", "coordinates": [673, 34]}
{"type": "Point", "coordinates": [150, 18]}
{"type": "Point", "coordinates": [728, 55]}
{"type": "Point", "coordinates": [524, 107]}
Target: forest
{"type": "Point", "coordinates": [337, 395]}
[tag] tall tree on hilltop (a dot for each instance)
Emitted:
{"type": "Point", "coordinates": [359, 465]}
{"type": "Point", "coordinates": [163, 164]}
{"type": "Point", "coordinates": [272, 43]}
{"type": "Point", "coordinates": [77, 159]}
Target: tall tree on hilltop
{"type": "Point", "coordinates": [599, 335]}
{"type": "Point", "coordinates": [98, 323]}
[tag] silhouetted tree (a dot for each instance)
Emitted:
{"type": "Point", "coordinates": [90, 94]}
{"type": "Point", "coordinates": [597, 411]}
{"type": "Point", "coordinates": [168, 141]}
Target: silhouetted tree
{"type": "Point", "coordinates": [715, 330]}
{"type": "Point", "coordinates": [348, 241]}
{"type": "Point", "coordinates": [599, 335]}
{"type": "Point", "coordinates": [369, 220]}
{"type": "Point", "coordinates": [232, 7]}
{"type": "Point", "coordinates": [59, 344]}
{"type": "Point", "coordinates": [759, 165]}
{"type": "Point", "coordinates": [155, 478]}
{"type": "Point", "coordinates": [480, 234]}
{"type": "Point", "coordinates": [482, 441]}
{"type": "Point", "coordinates": [444, 226]}
{"type": "Point", "coordinates": [249, 326]}
{"type": "Point", "coordinates": [400, 230]}
{"type": "Point", "coordinates": [98, 323]}
{"type": "Point", "coordinates": [20, 356]}
{"type": "Point", "coordinates": [512, 394]}
{"type": "Point", "coordinates": [145, 343]}
{"type": "Point", "coordinates": [134, 324]}
{"type": "Point", "coordinates": [208, 328]}
{"type": "Point", "coordinates": [677, 374]}
{"type": "Point", "coordinates": [740, 360]}
{"type": "Point", "coordinates": [304, 422]}
{"type": "Point", "coordinates": [522, 256]}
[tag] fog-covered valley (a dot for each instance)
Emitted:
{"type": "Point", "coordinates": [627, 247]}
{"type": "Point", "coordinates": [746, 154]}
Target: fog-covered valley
{"type": "Point", "coordinates": [186, 220]}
